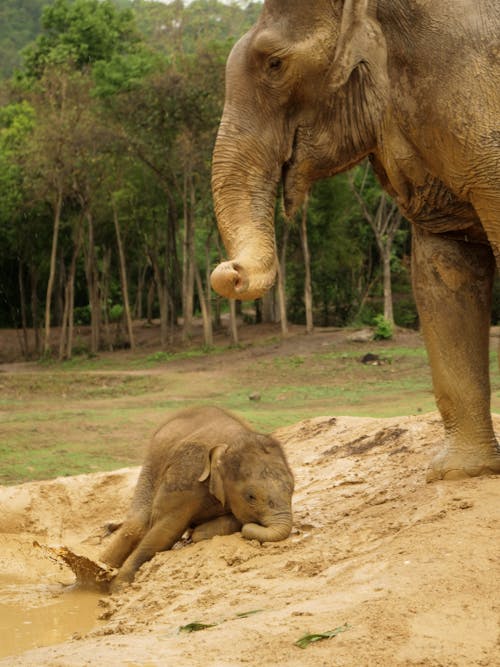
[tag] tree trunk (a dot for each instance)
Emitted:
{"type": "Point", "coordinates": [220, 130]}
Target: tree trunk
{"type": "Point", "coordinates": [268, 310]}
{"type": "Point", "coordinates": [123, 279]}
{"type": "Point", "coordinates": [384, 224]}
{"type": "Point", "coordinates": [104, 296]}
{"type": "Point", "coordinates": [24, 321]}
{"type": "Point", "coordinates": [233, 326]}
{"type": "Point", "coordinates": [217, 312]}
{"type": "Point", "coordinates": [58, 302]}
{"type": "Point", "coordinates": [282, 303]}
{"type": "Point", "coordinates": [282, 282]}
{"type": "Point", "coordinates": [162, 290]}
{"type": "Point", "coordinates": [208, 337]}
{"type": "Point", "coordinates": [52, 271]}
{"type": "Point", "coordinates": [141, 277]}
{"type": "Point", "coordinates": [173, 269]}
{"type": "Point", "coordinates": [93, 287]}
{"type": "Point", "coordinates": [149, 301]}
{"type": "Point", "coordinates": [307, 268]}
{"type": "Point", "coordinates": [67, 324]}
{"type": "Point", "coordinates": [386, 263]}
{"type": "Point", "coordinates": [71, 315]}
{"type": "Point", "coordinates": [34, 307]}
{"type": "Point", "coordinates": [188, 254]}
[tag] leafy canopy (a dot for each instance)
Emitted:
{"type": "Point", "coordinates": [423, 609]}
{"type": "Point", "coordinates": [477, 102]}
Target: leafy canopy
{"type": "Point", "coordinates": [83, 32]}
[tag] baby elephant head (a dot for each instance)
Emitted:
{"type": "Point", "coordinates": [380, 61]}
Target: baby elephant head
{"type": "Point", "coordinates": [252, 478]}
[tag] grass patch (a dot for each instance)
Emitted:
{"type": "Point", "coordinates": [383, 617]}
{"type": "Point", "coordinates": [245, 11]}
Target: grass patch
{"type": "Point", "coordinates": [60, 459]}
{"type": "Point", "coordinates": [97, 414]}
{"type": "Point", "coordinates": [76, 385]}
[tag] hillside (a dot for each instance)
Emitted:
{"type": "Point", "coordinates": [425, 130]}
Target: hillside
{"type": "Point", "coordinates": [410, 568]}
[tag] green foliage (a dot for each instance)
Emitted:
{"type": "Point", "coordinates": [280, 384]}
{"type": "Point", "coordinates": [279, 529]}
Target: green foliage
{"type": "Point", "coordinates": [196, 626]}
{"type": "Point", "coordinates": [383, 328]}
{"type": "Point", "coordinates": [342, 256]}
{"type": "Point", "coordinates": [19, 25]}
{"type": "Point", "coordinates": [116, 312]}
{"type": "Point", "coordinates": [308, 639]}
{"type": "Point", "coordinates": [82, 315]}
{"type": "Point", "coordinates": [123, 72]}
{"type": "Point", "coordinates": [405, 312]}
{"type": "Point", "coordinates": [81, 32]}
{"type": "Point", "coordinates": [115, 111]}
{"type": "Point", "coordinates": [16, 124]}
{"type": "Point", "coordinates": [102, 416]}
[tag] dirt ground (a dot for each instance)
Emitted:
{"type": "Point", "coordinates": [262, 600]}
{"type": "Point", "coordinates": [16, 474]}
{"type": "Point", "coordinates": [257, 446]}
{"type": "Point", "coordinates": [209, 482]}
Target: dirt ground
{"type": "Point", "coordinates": [408, 570]}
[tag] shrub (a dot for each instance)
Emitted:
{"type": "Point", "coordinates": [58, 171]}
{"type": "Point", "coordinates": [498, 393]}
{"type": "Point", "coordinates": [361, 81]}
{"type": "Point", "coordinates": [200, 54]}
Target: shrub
{"type": "Point", "coordinates": [383, 328]}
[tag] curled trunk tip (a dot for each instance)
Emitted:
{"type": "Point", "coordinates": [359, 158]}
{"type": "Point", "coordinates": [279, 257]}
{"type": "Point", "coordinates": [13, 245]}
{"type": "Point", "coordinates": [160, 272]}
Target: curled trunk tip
{"type": "Point", "coordinates": [272, 533]}
{"type": "Point", "coordinates": [233, 280]}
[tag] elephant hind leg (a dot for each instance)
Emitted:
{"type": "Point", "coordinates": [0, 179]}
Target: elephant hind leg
{"type": "Point", "coordinates": [452, 282]}
{"type": "Point", "coordinates": [222, 525]}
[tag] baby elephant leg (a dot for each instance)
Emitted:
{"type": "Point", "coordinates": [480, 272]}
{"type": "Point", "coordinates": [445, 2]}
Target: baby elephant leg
{"type": "Point", "coordinates": [170, 518]}
{"type": "Point", "coordinates": [161, 537]}
{"type": "Point", "coordinates": [125, 540]}
{"type": "Point", "coordinates": [222, 525]}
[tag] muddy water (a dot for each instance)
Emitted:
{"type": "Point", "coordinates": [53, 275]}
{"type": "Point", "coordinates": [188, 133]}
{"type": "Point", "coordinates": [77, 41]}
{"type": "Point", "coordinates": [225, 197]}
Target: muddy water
{"type": "Point", "coordinates": [33, 615]}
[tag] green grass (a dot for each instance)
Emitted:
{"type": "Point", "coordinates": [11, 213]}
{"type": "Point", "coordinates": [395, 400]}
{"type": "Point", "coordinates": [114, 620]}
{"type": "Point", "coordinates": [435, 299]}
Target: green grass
{"type": "Point", "coordinates": [97, 414]}
{"type": "Point", "coordinates": [61, 458]}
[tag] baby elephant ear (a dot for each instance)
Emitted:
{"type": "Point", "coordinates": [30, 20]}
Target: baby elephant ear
{"type": "Point", "coordinates": [360, 40]}
{"type": "Point", "coordinates": [212, 469]}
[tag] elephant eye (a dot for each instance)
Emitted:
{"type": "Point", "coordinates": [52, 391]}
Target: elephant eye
{"type": "Point", "coordinates": [251, 498]}
{"type": "Point", "coordinates": [274, 63]}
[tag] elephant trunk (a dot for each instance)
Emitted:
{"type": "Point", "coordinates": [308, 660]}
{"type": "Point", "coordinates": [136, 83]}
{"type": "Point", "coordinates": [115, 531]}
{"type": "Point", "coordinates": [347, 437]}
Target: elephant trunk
{"type": "Point", "coordinates": [244, 185]}
{"type": "Point", "coordinates": [273, 532]}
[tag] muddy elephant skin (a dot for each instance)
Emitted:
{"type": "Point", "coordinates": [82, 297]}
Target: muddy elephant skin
{"type": "Point", "coordinates": [314, 88]}
{"type": "Point", "coordinates": [204, 469]}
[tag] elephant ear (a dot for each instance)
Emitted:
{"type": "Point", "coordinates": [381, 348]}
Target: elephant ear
{"type": "Point", "coordinates": [360, 41]}
{"type": "Point", "coordinates": [213, 470]}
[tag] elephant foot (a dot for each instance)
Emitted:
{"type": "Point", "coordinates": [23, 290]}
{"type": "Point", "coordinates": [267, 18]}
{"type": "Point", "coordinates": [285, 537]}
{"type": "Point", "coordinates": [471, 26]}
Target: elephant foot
{"type": "Point", "coordinates": [118, 585]}
{"type": "Point", "coordinates": [451, 465]}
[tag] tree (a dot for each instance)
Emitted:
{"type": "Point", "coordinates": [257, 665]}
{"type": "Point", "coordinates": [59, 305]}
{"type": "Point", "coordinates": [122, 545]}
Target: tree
{"type": "Point", "coordinates": [341, 257]}
{"type": "Point", "coordinates": [105, 198]}
{"type": "Point", "coordinates": [80, 32]}
{"type": "Point", "coordinates": [123, 271]}
{"type": "Point", "coordinates": [16, 124]}
{"type": "Point", "coordinates": [308, 297]}
{"type": "Point", "coordinates": [384, 218]}
{"type": "Point", "coordinates": [58, 158]}
{"type": "Point", "coordinates": [63, 164]}
{"type": "Point", "coordinates": [19, 25]}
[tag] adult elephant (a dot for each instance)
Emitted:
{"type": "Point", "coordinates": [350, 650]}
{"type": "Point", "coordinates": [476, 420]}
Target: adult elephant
{"type": "Point", "coordinates": [315, 87]}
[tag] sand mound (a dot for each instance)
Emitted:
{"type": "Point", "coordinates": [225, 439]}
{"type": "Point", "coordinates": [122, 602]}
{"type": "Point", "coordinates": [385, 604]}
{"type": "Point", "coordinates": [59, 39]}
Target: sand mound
{"type": "Point", "coordinates": [408, 571]}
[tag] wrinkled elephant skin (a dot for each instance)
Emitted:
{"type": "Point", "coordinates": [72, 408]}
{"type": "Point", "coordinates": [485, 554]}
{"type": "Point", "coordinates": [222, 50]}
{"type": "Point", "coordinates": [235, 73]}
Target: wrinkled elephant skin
{"type": "Point", "coordinates": [207, 470]}
{"type": "Point", "coordinates": [314, 88]}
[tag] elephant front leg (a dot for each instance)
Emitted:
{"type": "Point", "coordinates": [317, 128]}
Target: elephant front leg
{"type": "Point", "coordinates": [171, 516]}
{"type": "Point", "coordinates": [127, 536]}
{"type": "Point", "coordinates": [452, 282]}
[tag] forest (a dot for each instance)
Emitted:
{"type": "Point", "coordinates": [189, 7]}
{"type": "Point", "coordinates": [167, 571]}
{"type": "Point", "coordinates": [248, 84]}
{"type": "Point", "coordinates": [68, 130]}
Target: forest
{"type": "Point", "coordinates": [108, 116]}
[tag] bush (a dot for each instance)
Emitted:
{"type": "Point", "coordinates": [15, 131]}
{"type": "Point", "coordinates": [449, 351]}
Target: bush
{"type": "Point", "coordinates": [405, 313]}
{"type": "Point", "coordinates": [82, 315]}
{"type": "Point", "coordinates": [116, 312]}
{"type": "Point", "coordinates": [383, 328]}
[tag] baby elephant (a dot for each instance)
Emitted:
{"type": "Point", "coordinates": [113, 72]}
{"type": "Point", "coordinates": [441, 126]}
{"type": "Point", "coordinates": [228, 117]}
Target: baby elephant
{"type": "Point", "coordinates": [204, 469]}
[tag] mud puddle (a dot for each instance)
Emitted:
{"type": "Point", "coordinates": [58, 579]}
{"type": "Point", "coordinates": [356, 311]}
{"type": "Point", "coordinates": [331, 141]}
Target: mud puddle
{"type": "Point", "coordinates": [35, 615]}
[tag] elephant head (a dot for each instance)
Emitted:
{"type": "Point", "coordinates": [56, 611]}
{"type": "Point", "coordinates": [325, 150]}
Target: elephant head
{"type": "Point", "coordinates": [251, 477]}
{"type": "Point", "coordinates": [305, 92]}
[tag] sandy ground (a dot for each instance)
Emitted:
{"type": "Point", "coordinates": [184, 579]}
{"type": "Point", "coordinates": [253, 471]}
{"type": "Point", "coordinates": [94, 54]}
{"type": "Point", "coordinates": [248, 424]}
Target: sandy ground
{"type": "Point", "coordinates": [412, 569]}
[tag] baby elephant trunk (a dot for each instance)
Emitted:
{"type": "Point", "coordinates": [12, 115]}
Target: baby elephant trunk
{"type": "Point", "coordinates": [274, 532]}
